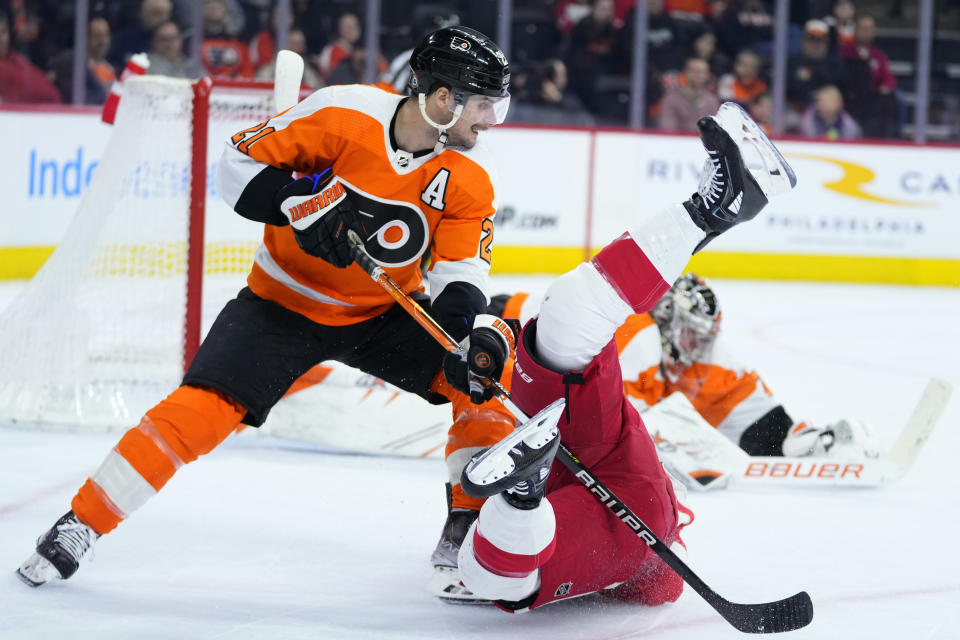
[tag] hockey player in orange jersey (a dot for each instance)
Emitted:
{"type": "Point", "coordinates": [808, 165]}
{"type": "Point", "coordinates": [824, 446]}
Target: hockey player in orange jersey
{"type": "Point", "coordinates": [408, 175]}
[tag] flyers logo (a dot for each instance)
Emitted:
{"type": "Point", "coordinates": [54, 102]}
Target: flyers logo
{"type": "Point", "coordinates": [460, 44]}
{"type": "Point", "coordinates": [395, 232]}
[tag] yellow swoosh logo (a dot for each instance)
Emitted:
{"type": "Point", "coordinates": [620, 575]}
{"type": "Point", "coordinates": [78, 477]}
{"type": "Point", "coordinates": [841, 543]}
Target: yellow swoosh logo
{"type": "Point", "coordinates": [853, 179]}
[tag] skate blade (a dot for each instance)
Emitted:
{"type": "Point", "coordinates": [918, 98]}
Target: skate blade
{"type": "Point", "coordinates": [771, 170]}
{"type": "Point", "coordinates": [37, 570]}
{"type": "Point", "coordinates": [445, 584]}
{"type": "Point", "coordinates": [495, 463]}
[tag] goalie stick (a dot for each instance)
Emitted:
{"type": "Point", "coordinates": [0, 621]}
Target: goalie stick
{"type": "Point", "coordinates": [779, 616]}
{"type": "Point", "coordinates": [704, 459]}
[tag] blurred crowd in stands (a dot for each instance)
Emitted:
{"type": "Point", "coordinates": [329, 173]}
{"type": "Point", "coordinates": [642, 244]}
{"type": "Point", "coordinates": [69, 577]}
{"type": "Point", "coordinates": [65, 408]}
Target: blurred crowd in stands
{"type": "Point", "coordinates": [571, 59]}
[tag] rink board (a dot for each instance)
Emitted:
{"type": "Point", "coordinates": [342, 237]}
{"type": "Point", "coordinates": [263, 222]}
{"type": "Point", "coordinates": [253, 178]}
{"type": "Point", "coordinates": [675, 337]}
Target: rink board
{"type": "Point", "coordinates": [860, 212]}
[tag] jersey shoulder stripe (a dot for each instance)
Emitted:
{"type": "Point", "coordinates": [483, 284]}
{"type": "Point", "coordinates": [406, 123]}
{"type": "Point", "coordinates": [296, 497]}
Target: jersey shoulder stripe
{"type": "Point", "coordinates": [367, 100]}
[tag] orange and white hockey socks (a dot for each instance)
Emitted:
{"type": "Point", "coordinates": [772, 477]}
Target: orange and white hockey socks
{"type": "Point", "coordinates": [503, 551]}
{"type": "Point", "coordinates": [190, 422]}
{"type": "Point", "coordinates": [475, 427]}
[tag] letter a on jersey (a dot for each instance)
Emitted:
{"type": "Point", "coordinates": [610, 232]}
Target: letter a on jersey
{"type": "Point", "coordinates": [436, 191]}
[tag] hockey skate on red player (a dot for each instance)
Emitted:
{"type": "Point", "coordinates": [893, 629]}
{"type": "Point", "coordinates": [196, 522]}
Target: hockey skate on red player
{"type": "Point", "coordinates": [742, 171]}
{"type": "Point", "coordinates": [59, 551]}
{"type": "Point", "coordinates": [519, 464]}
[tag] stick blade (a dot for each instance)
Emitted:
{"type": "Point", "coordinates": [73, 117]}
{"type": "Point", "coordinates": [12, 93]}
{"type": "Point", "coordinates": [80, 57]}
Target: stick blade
{"type": "Point", "coordinates": [788, 614]}
{"type": "Point", "coordinates": [921, 423]}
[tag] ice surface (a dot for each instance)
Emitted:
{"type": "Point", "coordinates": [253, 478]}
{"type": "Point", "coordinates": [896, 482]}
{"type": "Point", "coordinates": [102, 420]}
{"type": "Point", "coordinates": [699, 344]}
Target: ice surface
{"type": "Point", "coordinates": [265, 540]}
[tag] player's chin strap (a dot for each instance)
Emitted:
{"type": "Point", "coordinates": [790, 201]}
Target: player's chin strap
{"type": "Point", "coordinates": [766, 617]}
{"type": "Point", "coordinates": [442, 128]}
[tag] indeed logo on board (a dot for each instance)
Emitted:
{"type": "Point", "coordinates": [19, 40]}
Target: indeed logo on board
{"type": "Point", "coordinates": [52, 178]}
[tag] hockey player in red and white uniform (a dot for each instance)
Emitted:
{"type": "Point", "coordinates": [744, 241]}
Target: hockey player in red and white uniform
{"type": "Point", "coordinates": [673, 348]}
{"type": "Point", "coordinates": [541, 537]}
{"type": "Point", "coordinates": [408, 175]}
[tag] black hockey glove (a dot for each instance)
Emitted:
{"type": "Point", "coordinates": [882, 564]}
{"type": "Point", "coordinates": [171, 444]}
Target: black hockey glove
{"type": "Point", "coordinates": [484, 353]}
{"type": "Point", "coordinates": [320, 212]}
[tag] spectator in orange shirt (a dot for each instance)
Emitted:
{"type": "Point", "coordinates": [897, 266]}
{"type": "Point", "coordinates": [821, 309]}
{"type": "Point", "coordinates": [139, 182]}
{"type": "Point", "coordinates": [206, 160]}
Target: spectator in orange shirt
{"type": "Point", "coordinates": [222, 54]}
{"type": "Point", "coordinates": [744, 83]}
{"type": "Point", "coordinates": [100, 74]}
{"type": "Point", "coordinates": [20, 81]}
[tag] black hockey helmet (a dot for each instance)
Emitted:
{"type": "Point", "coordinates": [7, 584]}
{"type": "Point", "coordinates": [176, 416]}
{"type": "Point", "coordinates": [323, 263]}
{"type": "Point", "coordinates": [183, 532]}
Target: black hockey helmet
{"type": "Point", "coordinates": [461, 58]}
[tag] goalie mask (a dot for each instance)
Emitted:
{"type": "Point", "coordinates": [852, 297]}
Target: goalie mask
{"type": "Point", "coordinates": [688, 316]}
{"type": "Point", "coordinates": [471, 65]}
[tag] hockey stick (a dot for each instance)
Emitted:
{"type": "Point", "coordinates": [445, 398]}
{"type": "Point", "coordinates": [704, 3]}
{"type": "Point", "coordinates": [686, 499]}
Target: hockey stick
{"type": "Point", "coordinates": [287, 76]}
{"type": "Point", "coordinates": [788, 614]}
{"type": "Point", "coordinates": [704, 459]}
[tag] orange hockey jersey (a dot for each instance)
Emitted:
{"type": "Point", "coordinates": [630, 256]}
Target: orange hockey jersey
{"type": "Point", "coordinates": [442, 202]}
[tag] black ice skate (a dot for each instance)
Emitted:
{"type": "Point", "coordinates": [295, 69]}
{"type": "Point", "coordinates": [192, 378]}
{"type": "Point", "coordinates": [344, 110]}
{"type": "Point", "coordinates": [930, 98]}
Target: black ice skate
{"type": "Point", "coordinates": [519, 464]}
{"type": "Point", "coordinates": [59, 551]}
{"type": "Point", "coordinates": [742, 171]}
{"type": "Point", "coordinates": [445, 582]}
